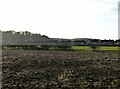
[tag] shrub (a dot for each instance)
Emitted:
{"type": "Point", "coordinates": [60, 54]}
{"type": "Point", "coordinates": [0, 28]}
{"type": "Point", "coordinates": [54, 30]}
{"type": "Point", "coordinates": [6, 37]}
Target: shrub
{"type": "Point", "coordinates": [63, 47]}
{"type": "Point", "coordinates": [94, 47]}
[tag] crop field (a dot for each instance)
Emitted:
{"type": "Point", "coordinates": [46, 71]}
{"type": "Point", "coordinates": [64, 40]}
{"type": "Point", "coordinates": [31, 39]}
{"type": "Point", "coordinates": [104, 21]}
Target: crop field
{"type": "Point", "coordinates": [40, 69]}
{"type": "Point", "coordinates": [105, 48]}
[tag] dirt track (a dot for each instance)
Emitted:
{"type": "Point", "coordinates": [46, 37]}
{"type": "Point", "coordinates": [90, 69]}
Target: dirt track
{"type": "Point", "coordinates": [31, 69]}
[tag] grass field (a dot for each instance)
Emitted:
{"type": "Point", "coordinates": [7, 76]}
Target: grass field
{"type": "Point", "coordinates": [112, 48]}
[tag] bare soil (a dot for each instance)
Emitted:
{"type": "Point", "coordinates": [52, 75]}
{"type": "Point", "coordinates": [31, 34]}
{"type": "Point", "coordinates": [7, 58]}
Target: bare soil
{"type": "Point", "coordinates": [35, 69]}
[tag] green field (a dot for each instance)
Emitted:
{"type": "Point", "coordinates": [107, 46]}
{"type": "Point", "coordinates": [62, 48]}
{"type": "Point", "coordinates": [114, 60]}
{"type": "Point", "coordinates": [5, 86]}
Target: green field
{"type": "Point", "coordinates": [112, 48]}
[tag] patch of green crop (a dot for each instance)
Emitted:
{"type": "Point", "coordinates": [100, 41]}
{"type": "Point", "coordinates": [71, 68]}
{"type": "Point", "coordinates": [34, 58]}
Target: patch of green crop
{"type": "Point", "coordinates": [81, 48]}
{"type": "Point", "coordinates": [113, 48]}
{"type": "Point", "coordinates": [102, 48]}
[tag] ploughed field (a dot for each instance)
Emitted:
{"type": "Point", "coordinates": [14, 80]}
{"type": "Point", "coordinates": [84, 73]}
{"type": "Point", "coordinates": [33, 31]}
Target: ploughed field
{"type": "Point", "coordinates": [35, 69]}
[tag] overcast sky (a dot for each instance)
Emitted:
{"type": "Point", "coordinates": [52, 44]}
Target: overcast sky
{"type": "Point", "coordinates": [62, 18]}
